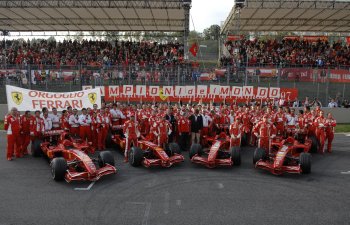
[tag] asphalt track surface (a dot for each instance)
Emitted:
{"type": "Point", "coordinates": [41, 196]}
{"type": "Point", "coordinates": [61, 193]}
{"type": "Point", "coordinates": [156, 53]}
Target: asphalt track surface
{"type": "Point", "coordinates": [186, 194]}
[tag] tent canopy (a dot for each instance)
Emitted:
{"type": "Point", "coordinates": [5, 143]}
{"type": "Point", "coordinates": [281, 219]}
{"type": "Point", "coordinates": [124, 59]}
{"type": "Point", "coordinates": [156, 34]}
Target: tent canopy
{"type": "Point", "coordinates": [289, 15]}
{"type": "Point", "coordinates": [97, 15]}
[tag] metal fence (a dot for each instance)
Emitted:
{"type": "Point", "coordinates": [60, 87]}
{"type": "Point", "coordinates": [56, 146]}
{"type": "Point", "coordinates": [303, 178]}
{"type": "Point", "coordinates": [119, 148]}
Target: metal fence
{"type": "Point", "coordinates": [72, 78]}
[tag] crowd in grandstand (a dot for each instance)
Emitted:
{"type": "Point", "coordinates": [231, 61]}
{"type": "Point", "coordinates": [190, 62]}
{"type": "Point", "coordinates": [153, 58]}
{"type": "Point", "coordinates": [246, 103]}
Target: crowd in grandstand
{"type": "Point", "coordinates": [92, 53]}
{"type": "Point", "coordinates": [287, 52]}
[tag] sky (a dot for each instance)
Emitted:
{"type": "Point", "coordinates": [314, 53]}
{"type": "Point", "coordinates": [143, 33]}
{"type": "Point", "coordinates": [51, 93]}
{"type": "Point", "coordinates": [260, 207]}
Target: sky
{"type": "Point", "coordinates": [209, 12]}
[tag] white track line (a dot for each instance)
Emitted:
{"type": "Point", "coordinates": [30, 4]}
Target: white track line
{"type": "Point", "coordinates": [166, 202]}
{"type": "Point", "coordinates": [85, 189]}
{"type": "Point", "coordinates": [345, 173]}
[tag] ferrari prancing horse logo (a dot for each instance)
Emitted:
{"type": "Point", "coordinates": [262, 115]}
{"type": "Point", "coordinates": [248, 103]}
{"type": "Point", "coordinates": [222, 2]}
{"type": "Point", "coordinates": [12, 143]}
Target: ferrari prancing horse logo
{"type": "Point", "coordinates": [92, 97]}
{"type": "Point", "coordinates": [17, 97]}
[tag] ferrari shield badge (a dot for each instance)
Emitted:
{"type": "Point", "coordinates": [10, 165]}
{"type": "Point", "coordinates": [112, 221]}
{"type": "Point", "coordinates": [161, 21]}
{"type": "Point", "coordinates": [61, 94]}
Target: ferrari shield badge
{"type": "Point", "coordinates": [161, 94]}
{"type": "Point", "coordinates": [17, 97]}
{"type": "Point", "coordinates": [92, 97]}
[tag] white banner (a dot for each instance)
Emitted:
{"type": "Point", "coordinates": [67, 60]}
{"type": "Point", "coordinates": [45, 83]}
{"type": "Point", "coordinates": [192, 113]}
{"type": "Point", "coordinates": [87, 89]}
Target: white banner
{"type": "Point", "coordinates": [25, 99]}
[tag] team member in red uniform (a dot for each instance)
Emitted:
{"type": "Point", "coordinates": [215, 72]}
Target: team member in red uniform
{"type": "Point", "coordinates": [131, 133]}
{"type": "Point", "coordinates": [309, 121]}
{"type": "Point", "coordinates": [246, 125]}
{"type": "Point", "coordinates": [55, 118]}
{"type": "Point", "coordinates": [103, 126]}
{"type": "Point", "coordinates": [64, 124]}
{"type": "Point", "coordinates": [84, 125]}
{"type": "Point", "coordinates": [320, 125]}
{"type": "Point", "coordinates": [94, 109]}
{"type": "Point", "coordinates": [13, 128]}
{"type": "Point", "coordinates": [163, 129]}
{"type": "Point", "coordinates": [25, 131]}
{"type": "Point", "coordinates": [330, 125]}
{"type": "Point", "coordinates": [37, 126]}
{"type": "Point", "coordinates": [184, 128]}
{"type": "Point", "coordinates": [235, 133]}
{"type": "Point", "coordinates": [94, 130]}
{"type": "Point", "coordinates": [264, 131]}
{"type": "Point", "coordinates": [70, 110]}
{"type": "Point", "coordinates": [74, 123]}
{"type": "Point", "coordinates": [280, 121]}
{"type": "Point", "coordinates": [214, 124]}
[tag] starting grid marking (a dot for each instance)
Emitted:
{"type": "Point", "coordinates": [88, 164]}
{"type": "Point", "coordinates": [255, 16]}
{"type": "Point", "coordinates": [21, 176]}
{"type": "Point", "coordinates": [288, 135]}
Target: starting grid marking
{"type": "Point", "coordinates": [345, 173]}
{"type": "Point", "coordinates": [85, 189]}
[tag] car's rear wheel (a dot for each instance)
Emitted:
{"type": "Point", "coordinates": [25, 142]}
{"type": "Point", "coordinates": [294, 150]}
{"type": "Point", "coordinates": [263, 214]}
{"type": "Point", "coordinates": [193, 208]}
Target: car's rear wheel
{"type": "Point", "coordinates": [259, 153]}
{"type": "Point", "coordinates": [36, 148]}
{"type": "Point", "coordinates": [104, 158]}
{"type": "Point", "coordinates": [58, 168]}
{"type": "Point", "coordinates": [314, 144]}
{"type": "Point", "coordinates": [236, 156]}
{"type": "Point", "coordinates": [174, 148]}
{"type": "Point", "coordinates": [195, 149]}
{"type": "Point", "coordinates": [305, 162]}
{"type": "Point", "coordinates": [135, 156]}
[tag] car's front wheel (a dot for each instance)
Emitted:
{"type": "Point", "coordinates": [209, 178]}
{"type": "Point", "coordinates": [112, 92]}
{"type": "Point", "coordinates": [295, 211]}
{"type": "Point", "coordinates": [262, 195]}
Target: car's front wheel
{"type": "Point", "coordinates": [58, 168]}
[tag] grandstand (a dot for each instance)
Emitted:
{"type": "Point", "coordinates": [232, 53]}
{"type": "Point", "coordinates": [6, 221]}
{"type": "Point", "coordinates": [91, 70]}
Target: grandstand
{"type": "Point", "coordinates": [312, 66]}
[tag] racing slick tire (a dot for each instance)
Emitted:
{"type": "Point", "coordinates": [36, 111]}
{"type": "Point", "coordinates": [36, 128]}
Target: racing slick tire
{"type": "Point", "coordinates": [236, 156]}
{"type": "Point", "coordinates": [135, 156]}
{"type": "Point", "coordinates": [195, 149]}
{"type": "Point", "coordinates": [305, 162]}
{"type": "Point", "coordinates": [174, 148]}
{"type": "Point", "coordinates": [58, 168]}
{"type": "Point", "coordinates": [104, 158]}
{"type": "Point", "coordinates": [259, 153]}
{"type": "Point", "coordinates": [314, 144]}
{"type": "Point", "coordinates": [36, 148]}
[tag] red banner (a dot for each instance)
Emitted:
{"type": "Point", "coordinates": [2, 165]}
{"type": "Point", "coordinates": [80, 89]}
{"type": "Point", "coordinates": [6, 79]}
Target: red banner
{"type": "Point", "coordinates": [315, 38]}
{"type": "Point", "coordinates": [316, 75]}
{"type": "Point", "coordinates": [200, 93]}
{"type": "Point", "coordinates": [262, 72]}
{"type": "Point", "coordinates": [297, 38]}
{"type": "Point", "coordinates": [234, 37]}
{"type": "Point", "coordinates": [348, 40]}
{"type": "Point", "coordinates": [296, 74]}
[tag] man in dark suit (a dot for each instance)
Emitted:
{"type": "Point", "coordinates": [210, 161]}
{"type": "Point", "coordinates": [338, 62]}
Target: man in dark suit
{"type": "Point", "coordinates": [171, 118]}
{"type": "Point", "coordinates": [196, 126]}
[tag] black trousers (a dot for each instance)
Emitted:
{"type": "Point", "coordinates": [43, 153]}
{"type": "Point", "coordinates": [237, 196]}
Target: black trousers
{"type": "Point", "coordinates": [184, 141]}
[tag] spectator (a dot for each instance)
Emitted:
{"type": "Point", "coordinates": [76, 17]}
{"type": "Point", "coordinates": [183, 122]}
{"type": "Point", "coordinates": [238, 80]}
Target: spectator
{"type": "Point", "coordinates": [332, 104]}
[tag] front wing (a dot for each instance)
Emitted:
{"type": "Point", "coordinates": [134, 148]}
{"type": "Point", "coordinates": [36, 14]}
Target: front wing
{"type": "Point", "coordinates": [277, 171]}
{"type": "Point", "coordinates": [176, 158]}
{"type": "Point", "coordinates": [75, 176]}
{"type": "Point", "coordinates": [211, 164]}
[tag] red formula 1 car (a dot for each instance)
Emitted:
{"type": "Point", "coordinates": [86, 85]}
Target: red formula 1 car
{"type": "Point", "coordinates": [147, 153]}
{"type": "Point", "coordinates": [69, 159]}
{"type": "Point", "coordinates": [216, 152]}
{"type": "Point", "coordinates": [285, 156]}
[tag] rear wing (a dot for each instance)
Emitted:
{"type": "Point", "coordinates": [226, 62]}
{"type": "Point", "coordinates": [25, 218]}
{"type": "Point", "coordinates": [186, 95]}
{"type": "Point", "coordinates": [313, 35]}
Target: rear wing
{"type": "Point", "coordinates": [52, 133]}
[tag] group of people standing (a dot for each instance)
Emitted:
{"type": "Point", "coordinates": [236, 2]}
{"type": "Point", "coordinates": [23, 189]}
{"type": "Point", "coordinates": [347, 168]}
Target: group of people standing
{"type": "Point", "coordinates": [162, 123]}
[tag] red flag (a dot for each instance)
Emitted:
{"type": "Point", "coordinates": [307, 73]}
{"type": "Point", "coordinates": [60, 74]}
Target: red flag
{"type": "Point", "coordinates": [194, 49]}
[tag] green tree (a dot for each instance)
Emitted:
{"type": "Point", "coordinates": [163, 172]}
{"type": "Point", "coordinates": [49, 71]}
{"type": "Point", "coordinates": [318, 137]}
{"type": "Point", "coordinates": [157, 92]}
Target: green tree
{"type": "Point", "coordinates": [212, 33]}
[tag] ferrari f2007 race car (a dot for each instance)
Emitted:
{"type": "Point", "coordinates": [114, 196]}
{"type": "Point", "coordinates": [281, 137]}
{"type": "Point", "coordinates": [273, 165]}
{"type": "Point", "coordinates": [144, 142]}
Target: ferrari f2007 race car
{"type": "Point", "coordinates": [216, 152]}
{"type": "Point", "coordinates": [69, 160]}
{"type": "Point", "coordinates": [147, 153]}
{"type": "Point", "coordinates": [285, 156]}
